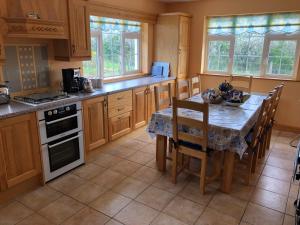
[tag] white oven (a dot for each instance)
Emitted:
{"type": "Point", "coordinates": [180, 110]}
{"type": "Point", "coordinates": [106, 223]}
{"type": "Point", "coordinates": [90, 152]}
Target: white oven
{"type": "Point", "coordinates": [62, 139]}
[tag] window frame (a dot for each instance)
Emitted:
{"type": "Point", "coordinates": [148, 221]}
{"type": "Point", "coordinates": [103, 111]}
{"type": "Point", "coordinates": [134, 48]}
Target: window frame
{"type": "Point", "coordinates": [280, 37]}
{"type": "Point", "coordinates": [231, 52]}
{"type": "Point", "coordinates": [100, 61]}
{"type": "Point", "coordinates": [138, 35]}
{"type": "Point", "coordinates": [265, 55]}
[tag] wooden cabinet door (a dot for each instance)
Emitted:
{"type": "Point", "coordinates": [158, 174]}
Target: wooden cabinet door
{"type": "Point", "coordinates": [183, 63]}
{"type": "Point", "coordinates": [79, 28]}
{"type": "Point", "coordinates": [19, 150]}
{"type": "Point", "coordinates": [120, 125]}
{"type": "Point", "coordinates": [2, 53]}
{"type": "Point", "coordinates": [150, 101]}
{"type": "Point", "coordinates": [95, 122]}
{"type": "Point", "coordinates": [140, 114]}
{"type": "Point", "coordinates": [184, 32]}
{"type": "Point", "coordinates": [183, 47]}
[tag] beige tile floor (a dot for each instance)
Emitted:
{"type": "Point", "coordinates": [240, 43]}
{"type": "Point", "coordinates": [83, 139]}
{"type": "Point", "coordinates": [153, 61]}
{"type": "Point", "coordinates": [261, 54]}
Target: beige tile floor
{"type": "Point", "coordinates": [120, 185]}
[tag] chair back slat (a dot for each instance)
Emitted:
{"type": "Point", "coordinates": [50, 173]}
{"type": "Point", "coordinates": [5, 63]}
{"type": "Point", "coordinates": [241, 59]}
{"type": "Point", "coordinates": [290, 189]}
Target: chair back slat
{"type": "Point", "coordinates": [189, 122]}
{"type": "Point", "coordinates": [162, 96]}
{"type": "Point", "coordinates": [243, 83]}
{"type": "Point", "coordinates": [202, 126]}
{"type": "Point", "coordinates": [183, 89]}
{"type": "Point", "coordinates": [192, 139]}
{"type": "Point", "coordinates": [195, 85]}
{"type": "Point", "coordinates": [261, 121]}
{"type": "Point", "coordinates": [278, 90]}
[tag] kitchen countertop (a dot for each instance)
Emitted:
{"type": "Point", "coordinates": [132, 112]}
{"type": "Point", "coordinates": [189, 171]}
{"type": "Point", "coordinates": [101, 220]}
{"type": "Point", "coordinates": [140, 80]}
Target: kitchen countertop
{"type": "Point", "coordinates": [16, 108]}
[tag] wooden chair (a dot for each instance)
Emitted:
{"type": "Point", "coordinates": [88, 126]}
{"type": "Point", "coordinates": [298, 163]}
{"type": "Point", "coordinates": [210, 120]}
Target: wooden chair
{"type": "Point", "coordinates": [162, 96]}
{"type": "Point", "coordinates": [187, 144]}
{"type": "Point", "coordinates": [263, 145]}
{"type": "Point", "coordinates": [243, 83]}
{"type": "Point", "coordinates": [254, 139]}
{"type": "Point", "coordinates": [271, 121]}
{"type": "Point", "coordinates": [195, 85]}
{"type": "Point", "coordinates": [183, 89]}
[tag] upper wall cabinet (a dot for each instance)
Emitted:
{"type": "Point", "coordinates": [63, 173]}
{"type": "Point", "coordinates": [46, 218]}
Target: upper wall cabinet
{"type": "Point", "coordinates": [172, 37]}
{"type": "Point", "coordinates": [3, 31]}
{"type": "Point", "coordinates": [78, 47]}
{"type": "Point", "coordinates": [36, 18]}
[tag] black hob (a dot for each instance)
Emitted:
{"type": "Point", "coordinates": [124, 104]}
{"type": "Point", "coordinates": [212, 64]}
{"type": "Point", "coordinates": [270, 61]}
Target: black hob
{"type": "Point", "coordinates": [40, 98]}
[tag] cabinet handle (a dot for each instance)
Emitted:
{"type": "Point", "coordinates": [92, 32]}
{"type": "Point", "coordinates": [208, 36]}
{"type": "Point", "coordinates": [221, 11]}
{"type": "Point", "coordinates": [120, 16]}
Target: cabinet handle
{"type": "Point", "coordinates": [120, 98]}
{"type": "Point", "coordinates": [120, 109]}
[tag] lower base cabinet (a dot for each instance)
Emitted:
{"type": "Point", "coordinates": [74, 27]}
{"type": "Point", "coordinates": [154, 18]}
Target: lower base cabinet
{"type": "Point", "coordinates": [120, 125]}
{"type": "Point", "coordinates": [20, 158]}
{"type": "Point", "coordinates": [95, 123]}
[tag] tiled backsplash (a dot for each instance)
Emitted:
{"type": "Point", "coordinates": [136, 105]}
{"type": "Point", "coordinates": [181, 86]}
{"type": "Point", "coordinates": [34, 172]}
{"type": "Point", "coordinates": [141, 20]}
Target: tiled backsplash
{"type": "Point", "coordinates": [26, 67]}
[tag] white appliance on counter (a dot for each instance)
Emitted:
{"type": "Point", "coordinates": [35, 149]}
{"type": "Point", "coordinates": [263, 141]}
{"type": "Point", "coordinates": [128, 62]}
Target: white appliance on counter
{"type": "Point", "coordinates": [61, 138]}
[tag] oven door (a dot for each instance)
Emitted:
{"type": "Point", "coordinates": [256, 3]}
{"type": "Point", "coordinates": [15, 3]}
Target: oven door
{"type": "Point", "coordinates": [55, 129]}
{"type": "Point", "coordinates": [62, 155]}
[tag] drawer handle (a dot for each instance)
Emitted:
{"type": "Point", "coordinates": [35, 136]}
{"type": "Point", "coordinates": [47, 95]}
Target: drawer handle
{"type": "Point", "coordinates": [120, 109]}
{"type": "Point", "coordinates": [120, 98]}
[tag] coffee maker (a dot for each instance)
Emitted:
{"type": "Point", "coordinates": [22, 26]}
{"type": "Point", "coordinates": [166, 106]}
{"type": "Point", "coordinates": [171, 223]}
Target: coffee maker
{"type": "Point", "coordinates": [72, 81]}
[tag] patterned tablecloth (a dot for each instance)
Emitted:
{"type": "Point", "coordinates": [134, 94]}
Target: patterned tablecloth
{"type": "Point", "coordinates": [228, 125]}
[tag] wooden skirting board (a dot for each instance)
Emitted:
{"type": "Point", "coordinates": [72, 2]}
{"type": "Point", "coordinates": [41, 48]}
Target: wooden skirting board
{"type": "Point", "coordinates": [287, 128]}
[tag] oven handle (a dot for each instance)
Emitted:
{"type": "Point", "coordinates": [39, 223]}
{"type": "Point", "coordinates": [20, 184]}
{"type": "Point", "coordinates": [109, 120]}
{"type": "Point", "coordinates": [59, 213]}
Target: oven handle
{"type": "Point", "coordinates": [61, 119]}
{"type": "Point", "coordinates": [64, 141]}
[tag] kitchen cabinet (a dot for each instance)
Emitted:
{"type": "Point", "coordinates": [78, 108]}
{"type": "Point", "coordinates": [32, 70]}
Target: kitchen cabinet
{"type": "Point", "coordinates": [53, 10]}
{"type": "Point", "coordinates": [144, 103]}
{"type": "Point", "coordinates": [172, 37]}
{"type": "Point", "coordinates": [3, 32]}
{"type": "Point", "coordinates": [140, 105]}
{"type": "Point", "coordinates": [95, 122]}
{"type": "Point", "coordinates": [120, 114]}
{"type": "Point", "coordinates": [78, 46]}
{"type": "Point", "coordinates": [120, 125]}
{"type": "Point", "coordinates": [19, 150]}
{"type": "Point", "coordinates": [150, 101]}
{"type": "Point", "coordinates": [2, 53]}
{"type": "Point", "coordinates": [51, 22]}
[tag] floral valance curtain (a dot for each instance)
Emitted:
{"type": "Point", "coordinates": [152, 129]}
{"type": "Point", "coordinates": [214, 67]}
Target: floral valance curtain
{"type": "Point", "coordinates": [113, 25]}
{"type": "Point", "coordinates": [279, 23]}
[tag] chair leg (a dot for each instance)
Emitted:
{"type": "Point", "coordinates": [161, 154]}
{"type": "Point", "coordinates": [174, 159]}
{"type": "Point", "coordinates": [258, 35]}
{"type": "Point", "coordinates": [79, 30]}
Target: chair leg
{"type": "Point", "coordinates": [174, 165]}
{"type": "Point", "coordinates": [254, 160]}
{"type": "Point", "coordinates": [265, 144]}
{"type": "Point", "coordinates": [260, 150]}
{"type": "Point", "coordinates": [203, 174]}
{"type": "Point", "coordinates": [249, 168]}
{"type": "Point", "coordinates": [170, 145]}
{"type": "Point", "coordinates": [269, 135]}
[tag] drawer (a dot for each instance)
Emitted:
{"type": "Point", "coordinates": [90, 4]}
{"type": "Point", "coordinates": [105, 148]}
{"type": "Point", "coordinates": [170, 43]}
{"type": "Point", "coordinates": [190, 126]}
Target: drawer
{"type": "Point", "coordinates": [120, 125]}
{"type": "Point", "coordinates": [120, 99]}
{"type": "Point", "coordinates": [118, 110]}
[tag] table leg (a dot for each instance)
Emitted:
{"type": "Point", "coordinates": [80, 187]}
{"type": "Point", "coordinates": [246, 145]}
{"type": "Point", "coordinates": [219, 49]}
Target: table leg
{"type": "Point", "coordinates": [228, 171]}
{"type": "Point", "coordinates": [161, 152]}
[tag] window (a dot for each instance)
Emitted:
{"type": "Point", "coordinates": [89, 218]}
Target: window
{"type": "Point", "coordinates": [259, 45]}
{"type": "Point", "coordinates": [115, 46]}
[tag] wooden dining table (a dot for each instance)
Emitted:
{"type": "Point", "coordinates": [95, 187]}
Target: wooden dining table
{"type": "Point", "coordinates": [228, 127]}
